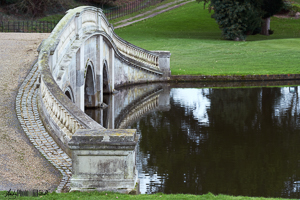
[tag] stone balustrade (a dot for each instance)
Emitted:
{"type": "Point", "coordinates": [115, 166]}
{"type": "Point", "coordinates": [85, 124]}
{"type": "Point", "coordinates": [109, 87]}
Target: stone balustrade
{"type": "Point", "coordinates": [62, 117]}
{"type": "Point", "coordinates": [136, 53]}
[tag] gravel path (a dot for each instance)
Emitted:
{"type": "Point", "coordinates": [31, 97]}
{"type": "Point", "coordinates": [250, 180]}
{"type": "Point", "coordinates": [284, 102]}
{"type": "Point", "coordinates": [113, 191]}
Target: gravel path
{"type": "Point", "coordinates": [21, 164]}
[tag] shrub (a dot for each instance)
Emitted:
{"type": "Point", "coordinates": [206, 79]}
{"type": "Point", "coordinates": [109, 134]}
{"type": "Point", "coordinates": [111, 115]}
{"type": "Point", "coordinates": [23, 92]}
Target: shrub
{"type": "Point", "coordinates": [287, 6]}
{"type": "Point", "coordinates": [7, 2]}
{"type": "Point", "coordinates": [236, 19]}
{"type": "Point", "coordinates": [271, 7]}
{"type": "Point", "coordinates": [294, 9]}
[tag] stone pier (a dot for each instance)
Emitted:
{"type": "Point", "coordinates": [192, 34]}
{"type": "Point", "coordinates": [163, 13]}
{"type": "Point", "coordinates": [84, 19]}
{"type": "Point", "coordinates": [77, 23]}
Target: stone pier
{"type": "Point", "coordinates": [104, 160]}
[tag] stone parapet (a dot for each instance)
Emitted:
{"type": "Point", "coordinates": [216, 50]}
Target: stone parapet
{"type": "Point", "coordinates": [148, 58]}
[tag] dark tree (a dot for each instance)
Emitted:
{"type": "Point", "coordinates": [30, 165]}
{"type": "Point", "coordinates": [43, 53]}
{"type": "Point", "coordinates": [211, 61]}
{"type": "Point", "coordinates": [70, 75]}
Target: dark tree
{"type": "Point", "coordinates": [269, 8]}
{"type": "Point", "coordinates": [7, 2]}
{"type": "Point", "coordinates": [236, 19]}
{"type": "Point", "coordinates": [239, 18]}
{"type": "Point", "coordinates": [37, 7]}
{"type": "Point", "coordinates": [101, 3]}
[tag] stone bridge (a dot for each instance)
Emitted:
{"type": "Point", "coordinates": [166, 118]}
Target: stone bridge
{"type": "Point", "coordinates": [86, 58]}
{"type": "Point", "coordinates": [81, 60]}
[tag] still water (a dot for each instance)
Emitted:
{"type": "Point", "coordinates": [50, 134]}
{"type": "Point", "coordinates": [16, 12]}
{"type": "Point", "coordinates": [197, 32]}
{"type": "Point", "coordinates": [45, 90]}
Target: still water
{"type": "Point", "coordinates": [236, 141]}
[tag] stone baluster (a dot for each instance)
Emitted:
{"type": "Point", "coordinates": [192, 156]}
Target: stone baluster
{"type": "Point", "coordinates": [77, 127]}
{"type": "Point", "coordinates": [70, 121]}
{"type": "Point", "coordinates": [64, 117]}
{"type": "Point", "coordinates": [77, 25]}
{"type": "Point", "coordinates": [59, 114]}
{"type": "Point", "coordinates": [56, 112]}
{"type": "Point", "coordinates": [71, 124]}
{"type": "Point", "coordinates": [48, 101]}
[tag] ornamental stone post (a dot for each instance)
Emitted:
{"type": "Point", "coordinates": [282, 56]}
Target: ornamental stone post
{"type": "Point", "coordinates": [104, 160]}
{"type": "Point", "coordinates": [164, 62]}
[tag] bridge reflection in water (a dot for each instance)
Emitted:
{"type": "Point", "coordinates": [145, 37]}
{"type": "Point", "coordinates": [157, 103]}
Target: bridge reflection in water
{"type": "Point", "coordinates": [237, 141]}
{"type": "Point", "coordinates": [130, 104]}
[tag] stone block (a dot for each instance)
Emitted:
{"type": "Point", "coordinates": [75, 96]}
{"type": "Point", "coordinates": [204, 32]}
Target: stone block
{"type": "Point", "coordinates": [104, 160]}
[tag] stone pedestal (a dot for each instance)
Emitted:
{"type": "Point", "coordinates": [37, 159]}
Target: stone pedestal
{"type": "Point", "coordinates": [104, 160]}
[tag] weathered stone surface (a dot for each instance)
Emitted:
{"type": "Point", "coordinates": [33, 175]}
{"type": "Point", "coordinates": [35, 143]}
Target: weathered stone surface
{"type": "Point", "coordinates": [104, 139]}
{"type": "Point", "coordinates": [164, 62]}
{"type": "Point", "coordinates": [104, 160]}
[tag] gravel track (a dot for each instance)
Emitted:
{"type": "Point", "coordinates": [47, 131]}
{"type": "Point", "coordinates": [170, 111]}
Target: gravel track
{"type": "Point", "coordinates": [21, 165]}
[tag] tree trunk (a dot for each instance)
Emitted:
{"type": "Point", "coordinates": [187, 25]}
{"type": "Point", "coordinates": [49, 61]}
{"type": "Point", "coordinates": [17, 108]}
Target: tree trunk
{"type": "Point", "coordinates": [265, 27]}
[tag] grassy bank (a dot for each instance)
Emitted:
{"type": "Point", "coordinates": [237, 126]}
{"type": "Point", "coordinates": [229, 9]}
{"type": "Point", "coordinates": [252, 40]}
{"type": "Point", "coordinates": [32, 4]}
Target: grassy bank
{"type": "Point", "coordinates": [109, 195]}
{"type": "Point", "coordinates": [147, 11]}
{"type": "Point", "coordinates": [197, 48]}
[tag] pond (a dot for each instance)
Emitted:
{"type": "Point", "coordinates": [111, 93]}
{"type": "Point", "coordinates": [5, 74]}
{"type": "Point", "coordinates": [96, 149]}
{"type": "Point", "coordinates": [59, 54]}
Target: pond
{"type": "Point", "coordinates": [197, 139]}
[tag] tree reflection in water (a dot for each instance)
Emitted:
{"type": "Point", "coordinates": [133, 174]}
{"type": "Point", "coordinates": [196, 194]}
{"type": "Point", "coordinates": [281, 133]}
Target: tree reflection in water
{"type": "Point", "coordinates": [229, 141]}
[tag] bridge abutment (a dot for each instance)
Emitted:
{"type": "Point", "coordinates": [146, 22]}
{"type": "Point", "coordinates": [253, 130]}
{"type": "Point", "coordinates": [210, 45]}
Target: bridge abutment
{"type": "Point", "coordinates": [104, 160]}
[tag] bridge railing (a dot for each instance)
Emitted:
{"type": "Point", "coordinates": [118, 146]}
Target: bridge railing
{"type": "Point", "coordinates": [91, 20]}
{"type": "Point", "coordinates": [134, 52]}
{"type": "Point", "coordinates": [95, 18]}
{"type": "Point", "coordinates": [60, 115]}
{"type": "Point", "coordinates": [64, 119]}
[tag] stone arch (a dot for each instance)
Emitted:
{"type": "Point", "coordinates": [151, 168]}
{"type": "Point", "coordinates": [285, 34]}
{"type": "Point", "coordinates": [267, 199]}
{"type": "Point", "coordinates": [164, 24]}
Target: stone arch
{"type": "Point", "coordinates": [89, 87]}
{"type": "Point", "coordinates": [105, 78]}
{"type": "Point", "coordinates": [69, 93]}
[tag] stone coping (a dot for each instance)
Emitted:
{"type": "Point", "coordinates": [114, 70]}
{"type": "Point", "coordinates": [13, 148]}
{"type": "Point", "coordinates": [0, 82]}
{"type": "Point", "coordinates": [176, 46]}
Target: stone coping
{"type": "Point", "coordinates": [106, 139]}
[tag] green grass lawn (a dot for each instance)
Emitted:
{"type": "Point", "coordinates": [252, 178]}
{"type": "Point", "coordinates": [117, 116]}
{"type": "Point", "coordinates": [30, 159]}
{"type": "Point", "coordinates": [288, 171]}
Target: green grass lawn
{"type": "Point", "coordinates": [195, 42]}
{"type": "Point", "coordinates": [110, 195]}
